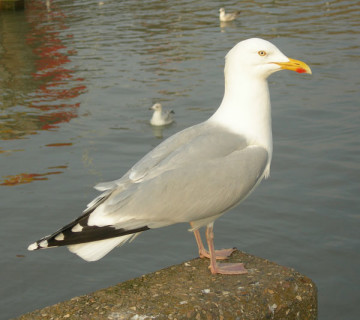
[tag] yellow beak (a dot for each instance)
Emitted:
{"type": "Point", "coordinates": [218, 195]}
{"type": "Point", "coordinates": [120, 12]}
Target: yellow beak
{"type": "Point", "coordinates": [295, 65]}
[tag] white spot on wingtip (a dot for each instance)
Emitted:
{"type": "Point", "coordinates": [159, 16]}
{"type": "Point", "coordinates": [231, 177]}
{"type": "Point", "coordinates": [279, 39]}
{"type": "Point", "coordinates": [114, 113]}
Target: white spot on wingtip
{"type": "Point", "coordinates": [33, 246]}
{"type": "Point", "coordinates": [43, 244]}
{"type": "Point", "coordinates": [77, 228]}
{"type": "Point", "coordinates": [60, 237]}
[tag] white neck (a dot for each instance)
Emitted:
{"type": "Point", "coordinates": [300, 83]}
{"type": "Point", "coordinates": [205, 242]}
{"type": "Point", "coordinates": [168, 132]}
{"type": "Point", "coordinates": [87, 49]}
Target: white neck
{"type": "Point", "coordinates": [245, 108]}
{"type": "Point", "coordinates": [156, 116]}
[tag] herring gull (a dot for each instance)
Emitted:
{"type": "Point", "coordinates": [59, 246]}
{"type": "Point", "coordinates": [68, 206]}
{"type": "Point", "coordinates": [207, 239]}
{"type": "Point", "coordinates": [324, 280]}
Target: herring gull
{"type": "Point", "coordinates": [161, 117]}
{"type": "Point", "coordinates": [194, 176]}
{"type": "Point", "coordinates": [227, 17]}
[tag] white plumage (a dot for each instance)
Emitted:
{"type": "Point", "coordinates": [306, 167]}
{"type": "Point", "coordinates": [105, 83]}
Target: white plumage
{"type": "Point", "coordinates": [227, 17]}
{"type": "Point", "coordinates": [93, 251]}
{"type": "Point", "coordinates": [160, 117]}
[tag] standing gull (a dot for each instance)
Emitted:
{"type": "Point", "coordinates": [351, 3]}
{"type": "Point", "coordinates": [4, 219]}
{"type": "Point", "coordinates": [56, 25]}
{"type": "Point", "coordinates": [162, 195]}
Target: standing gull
{"type": "Point", "coordinates": [227, 17]}
{"type": "Point", "coordinates": [160, 117]}
{"type": "Point", "coordinates": [194, 176]}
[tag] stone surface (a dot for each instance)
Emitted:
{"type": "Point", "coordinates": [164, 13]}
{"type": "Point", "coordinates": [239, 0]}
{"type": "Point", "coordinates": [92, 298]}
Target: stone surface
{"type": "Point", "coordinates": [190, 291]}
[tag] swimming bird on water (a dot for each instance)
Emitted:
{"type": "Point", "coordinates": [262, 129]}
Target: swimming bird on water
{"type": "Point", "coordinates": [227, 17]}
{"type": "Point", "coordinates": [160, 117]}
{"type": "Point", "coordinates": [196, 175]}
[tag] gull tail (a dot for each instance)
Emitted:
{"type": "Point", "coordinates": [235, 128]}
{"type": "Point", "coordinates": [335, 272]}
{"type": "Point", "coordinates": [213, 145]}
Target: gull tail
{"type": "Point", "coordinates": [95, 250]}
{"type": "Point", "coordinates": [89, 242]}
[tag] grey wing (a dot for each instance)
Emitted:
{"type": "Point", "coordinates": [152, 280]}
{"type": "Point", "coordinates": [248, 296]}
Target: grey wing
{"type": "Point", "coordinates": [195, 191]}
{"type": "Point", "coordinates": [168, 115]}
{"type": "Point", "coordinates": [188, 144]}
{"type": "Point", "coordinates": [144, 166]}
{"type": "Point", "coordinates": [151, 159]}
{"type": "Point", "coordinates": [195, 174]}
{"type": "Point", "coordinates": [200, 143]}
{"type": "Point", "coordinates": [204, 189]}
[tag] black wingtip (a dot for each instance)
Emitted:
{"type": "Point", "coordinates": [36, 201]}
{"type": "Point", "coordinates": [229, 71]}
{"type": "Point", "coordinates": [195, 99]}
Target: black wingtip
{"type": "Point", "coordinates": [40, 244]}
{"type": "Point", "coordinates": [81, 234]}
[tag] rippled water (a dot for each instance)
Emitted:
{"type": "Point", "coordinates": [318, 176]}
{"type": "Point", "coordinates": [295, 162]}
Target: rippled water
{"type": "Point", "coordinates": [76, 81]}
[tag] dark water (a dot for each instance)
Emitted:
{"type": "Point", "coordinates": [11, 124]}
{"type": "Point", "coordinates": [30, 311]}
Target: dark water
{"type": "Point", "coordinates": [76, 81]}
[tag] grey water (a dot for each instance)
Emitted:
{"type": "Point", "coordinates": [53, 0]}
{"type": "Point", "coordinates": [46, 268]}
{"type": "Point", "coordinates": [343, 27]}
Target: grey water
{"type": "Point", "coordinates": [76, 81]}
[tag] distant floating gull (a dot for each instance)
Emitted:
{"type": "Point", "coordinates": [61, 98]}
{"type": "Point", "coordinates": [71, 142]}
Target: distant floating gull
{"type": "Point", "coordinates": [226, 17]}
{"type": "Point", "coordinates": [160, 117]}
{"type": "Point", "coordinates": [194, 176]}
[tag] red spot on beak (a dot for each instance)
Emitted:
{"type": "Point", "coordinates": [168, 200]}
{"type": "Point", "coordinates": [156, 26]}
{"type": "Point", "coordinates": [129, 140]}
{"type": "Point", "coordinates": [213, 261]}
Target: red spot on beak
{"type": "Point", "coordinates": [300, 70]}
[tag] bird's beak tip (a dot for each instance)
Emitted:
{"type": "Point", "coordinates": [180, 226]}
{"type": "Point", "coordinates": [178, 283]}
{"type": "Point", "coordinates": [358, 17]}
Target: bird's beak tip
{"type": "Point", "coordinates": [295, 65]}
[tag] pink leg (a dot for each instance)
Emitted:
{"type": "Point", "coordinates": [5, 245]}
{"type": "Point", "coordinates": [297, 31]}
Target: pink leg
{"type": "Point", "coordinates": [202, 251]}
{"type": "Point", "coordinates": [220, 254]}
{"type": "Point", "coordinates": [224, 268]}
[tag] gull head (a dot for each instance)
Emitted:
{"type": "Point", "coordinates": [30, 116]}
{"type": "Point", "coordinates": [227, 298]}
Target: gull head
{"type": "Point", "coordinates": [260, 58]}
{"type": "Point", "coordinates": [156, 107]}
{"type": "Point", "coordinates": [221, 10]}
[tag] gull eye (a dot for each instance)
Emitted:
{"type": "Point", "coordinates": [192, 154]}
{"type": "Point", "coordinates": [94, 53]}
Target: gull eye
{"type": "Point", "coordinates": [262, 53]}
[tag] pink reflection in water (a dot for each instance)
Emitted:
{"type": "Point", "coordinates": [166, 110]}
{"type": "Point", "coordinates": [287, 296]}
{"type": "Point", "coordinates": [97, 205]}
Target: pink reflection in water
{"type": "Point", "coordinates": [56, 82]}
{"type": "Point", "coordinates": [38, 73]}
